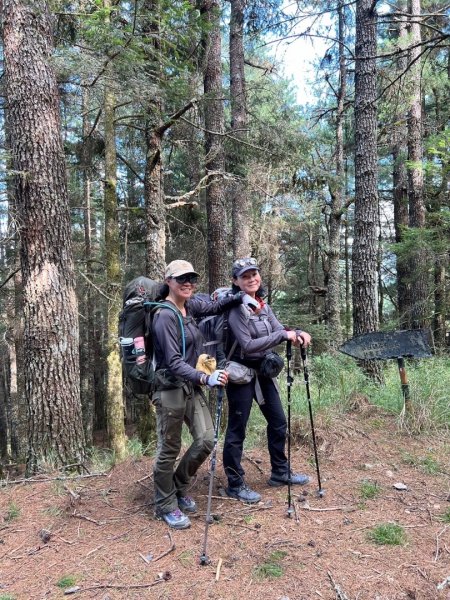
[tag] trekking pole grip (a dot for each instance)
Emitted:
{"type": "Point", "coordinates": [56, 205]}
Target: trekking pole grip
{"type": "Point", "coordinates": [289, 349]}
{"type": "Point", "coordinates": [303, 352]}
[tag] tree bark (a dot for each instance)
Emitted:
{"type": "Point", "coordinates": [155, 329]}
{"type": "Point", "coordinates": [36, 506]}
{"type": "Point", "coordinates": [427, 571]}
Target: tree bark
{"type": "Point", "coordinates": [400, 179]}
{"type": "Point", "coordinates": [52, 379]}
{"type": "Point", "coordinates": [114, 400]}
{"type": "Point", "coordinates": [333, 297]}
{"type": "Point", "coordinates": [241, 206]}
{"type": "Point", "coordinates": [218, 267]}
{"type": "Point", "coordinates": [88, 331]}
{"type": "Point", "coordinates": [364, 261]}
{"type": "Point", "coordinates": [419, 260]}
{"type": "Point", "coordinates": [153, 177]}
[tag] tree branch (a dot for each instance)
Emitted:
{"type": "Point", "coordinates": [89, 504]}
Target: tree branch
{"type": "Point", "coordinates": [175, 117]}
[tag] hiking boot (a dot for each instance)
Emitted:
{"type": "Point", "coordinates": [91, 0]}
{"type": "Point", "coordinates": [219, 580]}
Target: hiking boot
{"type": "Point", "coordinates": [175, 519]}
{"type": "Point", "coordinates": [279, 479]}
{"type": "Point", "coordinates": [187, 504]}
{"type": "Point", "coordinates": [244, 494]}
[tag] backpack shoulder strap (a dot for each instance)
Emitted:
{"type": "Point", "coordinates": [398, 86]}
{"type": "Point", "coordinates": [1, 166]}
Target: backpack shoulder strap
{"type": "Point", "coordinates": [157, 307]}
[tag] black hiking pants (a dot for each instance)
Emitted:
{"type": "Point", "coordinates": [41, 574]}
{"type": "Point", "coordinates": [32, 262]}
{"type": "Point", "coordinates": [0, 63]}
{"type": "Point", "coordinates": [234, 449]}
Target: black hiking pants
{"type": "Point", "coordinates": [240, 400]}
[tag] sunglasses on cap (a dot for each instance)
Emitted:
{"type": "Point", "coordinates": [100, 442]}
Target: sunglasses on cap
{"type": "Point", "coordinates": [244, 262]}
{"type": "Point", "coordinates": [187, 278]}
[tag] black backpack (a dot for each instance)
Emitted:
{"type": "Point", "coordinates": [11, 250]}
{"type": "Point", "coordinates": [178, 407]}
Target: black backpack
{"type": "Point", "coordinates": [141, 300]}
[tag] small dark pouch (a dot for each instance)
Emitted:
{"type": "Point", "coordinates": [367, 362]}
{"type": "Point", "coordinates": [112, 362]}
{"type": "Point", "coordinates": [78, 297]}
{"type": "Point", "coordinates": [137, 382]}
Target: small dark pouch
{"type": "Point", "coordinates": [272, 365]}
{"type": "Point", "coordinates": [165, 380]}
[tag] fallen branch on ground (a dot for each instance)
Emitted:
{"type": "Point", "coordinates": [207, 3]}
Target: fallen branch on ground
{"type": "Point", "coordinates": [132, 586]}
{"type": "Point", "coordinates": [346, 508]}
{"type": "Point", "coordinates": [340, 595]}
{"type": "Point", "coordinates": [79, 516]}
{"type": "Point", "coordinates": [58, 478]}
{"type": "Point", "coordinates": [171, 549]}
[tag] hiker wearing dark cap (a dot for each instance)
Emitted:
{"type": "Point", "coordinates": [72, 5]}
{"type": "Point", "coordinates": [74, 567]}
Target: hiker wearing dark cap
{"type": "Point", "coordinates": [179, 396]}
{"type": "Point", "coordinates": [252, 334]}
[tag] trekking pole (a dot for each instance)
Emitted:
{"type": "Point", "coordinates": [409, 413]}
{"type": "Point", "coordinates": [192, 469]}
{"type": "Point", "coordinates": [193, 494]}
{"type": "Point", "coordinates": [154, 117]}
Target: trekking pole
{"type": "Point", "coordinates": [204, 560]}
{"type": "Point", "coordinates": [289, 380]}
{"type": "Point", "coordinates": [321, 492]}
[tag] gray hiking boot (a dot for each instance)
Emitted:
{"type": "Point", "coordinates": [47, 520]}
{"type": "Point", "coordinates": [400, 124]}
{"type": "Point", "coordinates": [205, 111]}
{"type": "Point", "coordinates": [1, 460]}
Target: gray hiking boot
{"type": "Point", "coordinates": [244, 494]}
{"type": "Point", "coordinates": [175, 519]}
{"type": "Point", "coordinates": [279, 479]}
{"type": "Point", "coordinates": [187, 504]}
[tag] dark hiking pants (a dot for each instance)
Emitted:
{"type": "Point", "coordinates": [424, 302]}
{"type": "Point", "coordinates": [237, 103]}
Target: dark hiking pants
{"type": "Point", "coordinates": [173, 408]}
{"type": "Point", "coordinates": [240, 400]}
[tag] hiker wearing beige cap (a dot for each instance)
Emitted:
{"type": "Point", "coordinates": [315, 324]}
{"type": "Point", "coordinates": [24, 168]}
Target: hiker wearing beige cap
{"type": "Point", "coordinates": [179, 397]}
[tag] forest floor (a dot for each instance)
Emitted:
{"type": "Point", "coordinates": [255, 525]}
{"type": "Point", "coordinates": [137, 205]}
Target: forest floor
{"type": "Point", "coordinates": [97, 536]}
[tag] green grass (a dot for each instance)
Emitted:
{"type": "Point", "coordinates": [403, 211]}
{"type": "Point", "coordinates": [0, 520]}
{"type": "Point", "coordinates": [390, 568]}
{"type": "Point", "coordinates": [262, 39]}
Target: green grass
{"type": "Point", "coordinates": [428, 464]}
{"type": "Point", "coordinates": [270, 569]}
{"type": "Point", "coordinates": [387, 534]}
{"type": "Point", "coordinates": [12, 512]}
{"type": "Point", "coordinates": [66, 581]}
{"type": "Point", "coordinates": [102, 459]}
{"type": "Point", "coordinates": [446, 516]}
{"type": "Point", "coordinates": [368, 490]}
{"type": "Point", "coordinates": [7, 597]}
{"type": "Point", "coordinates": [135, 448]}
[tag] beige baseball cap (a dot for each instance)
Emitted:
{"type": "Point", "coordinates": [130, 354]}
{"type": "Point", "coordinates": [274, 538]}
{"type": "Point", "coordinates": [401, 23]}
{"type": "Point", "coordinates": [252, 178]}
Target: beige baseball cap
{"type": "Point", "coordinates": [177, 268]}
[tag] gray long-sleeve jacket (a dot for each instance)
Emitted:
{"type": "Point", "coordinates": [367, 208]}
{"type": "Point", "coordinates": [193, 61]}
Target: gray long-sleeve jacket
{"type": "Point", "coordinates": [167, 336]}
{"type": "Point", "coordinates": [255, 334]}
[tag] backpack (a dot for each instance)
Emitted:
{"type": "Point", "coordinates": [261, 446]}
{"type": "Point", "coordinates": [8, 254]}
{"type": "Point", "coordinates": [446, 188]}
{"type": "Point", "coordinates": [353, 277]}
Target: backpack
{"type": "Point", "coordinates": [141, 301]}
{"type": "Point", "coordinates": [215, 328]}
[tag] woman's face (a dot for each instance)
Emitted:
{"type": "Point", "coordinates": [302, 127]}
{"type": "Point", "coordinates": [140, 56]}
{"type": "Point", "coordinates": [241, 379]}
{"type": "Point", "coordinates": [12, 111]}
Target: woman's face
{"type": "Point", "coordinates": [181, 291]}
{"type": "Point", "coordinates": [249, 282]}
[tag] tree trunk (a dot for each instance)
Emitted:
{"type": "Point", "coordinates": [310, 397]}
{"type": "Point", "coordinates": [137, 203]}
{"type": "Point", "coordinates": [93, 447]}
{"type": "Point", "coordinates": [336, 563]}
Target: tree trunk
{"type": "Point", "coordinates": [52, 378]}
{"type": "Point", "coordinates": [87, 332]}
{"type": "Point", "coordinates": [333, 297]}
{"type": "Point", "coordinates": [218, 267]}
{"type": "Point", "coordinates": [4, 388]}
{"type": "Point", "coordinates": [400, 180]}
{"type": "Point", "coordinates": [114, 400]}
{"type": "Point", "coordinates": [241, 206]}
{"type": "Point", "coordinates": [153, 177]}
{"type": "Point", "coordinates": [419, 259]}
{"type": "Point", "coordinates": [364, 262]}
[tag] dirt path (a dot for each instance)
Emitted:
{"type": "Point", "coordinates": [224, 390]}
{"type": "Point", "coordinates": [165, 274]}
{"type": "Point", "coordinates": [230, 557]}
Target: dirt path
{"type": "Point", "coordinates": [98, 533]}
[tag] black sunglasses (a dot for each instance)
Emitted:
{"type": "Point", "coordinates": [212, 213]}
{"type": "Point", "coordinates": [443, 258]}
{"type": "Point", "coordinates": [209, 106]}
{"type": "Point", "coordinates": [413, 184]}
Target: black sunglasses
{"type": "Point", "coordinates": [187, 278]}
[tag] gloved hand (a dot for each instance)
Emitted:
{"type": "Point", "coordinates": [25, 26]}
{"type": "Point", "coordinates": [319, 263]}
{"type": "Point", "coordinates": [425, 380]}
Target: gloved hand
{"type": "Point", "coordinates": [250, 302]}
{"type": "Point", "coordinates": [219, 377]}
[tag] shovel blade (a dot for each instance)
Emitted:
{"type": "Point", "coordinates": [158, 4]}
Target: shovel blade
{"type": "Point", "coordinates": [382, 345]}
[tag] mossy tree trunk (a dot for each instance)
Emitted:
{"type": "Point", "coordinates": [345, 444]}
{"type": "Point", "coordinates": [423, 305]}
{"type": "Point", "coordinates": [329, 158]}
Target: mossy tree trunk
{"type": "Point", "coordinates": [114, 397]}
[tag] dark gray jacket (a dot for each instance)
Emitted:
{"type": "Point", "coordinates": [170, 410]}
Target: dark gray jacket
{"type": "Point", "coordinates": [167, 336]}
{"type": "Point", "coordinates": [255, 334]}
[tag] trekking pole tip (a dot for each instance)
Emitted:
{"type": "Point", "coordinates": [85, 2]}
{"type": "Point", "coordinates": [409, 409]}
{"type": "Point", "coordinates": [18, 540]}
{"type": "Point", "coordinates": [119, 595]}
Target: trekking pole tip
{"type": "Point", "coordinates": [321, 493]}
{"type": "Point", "coordinates": [204, 560]}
